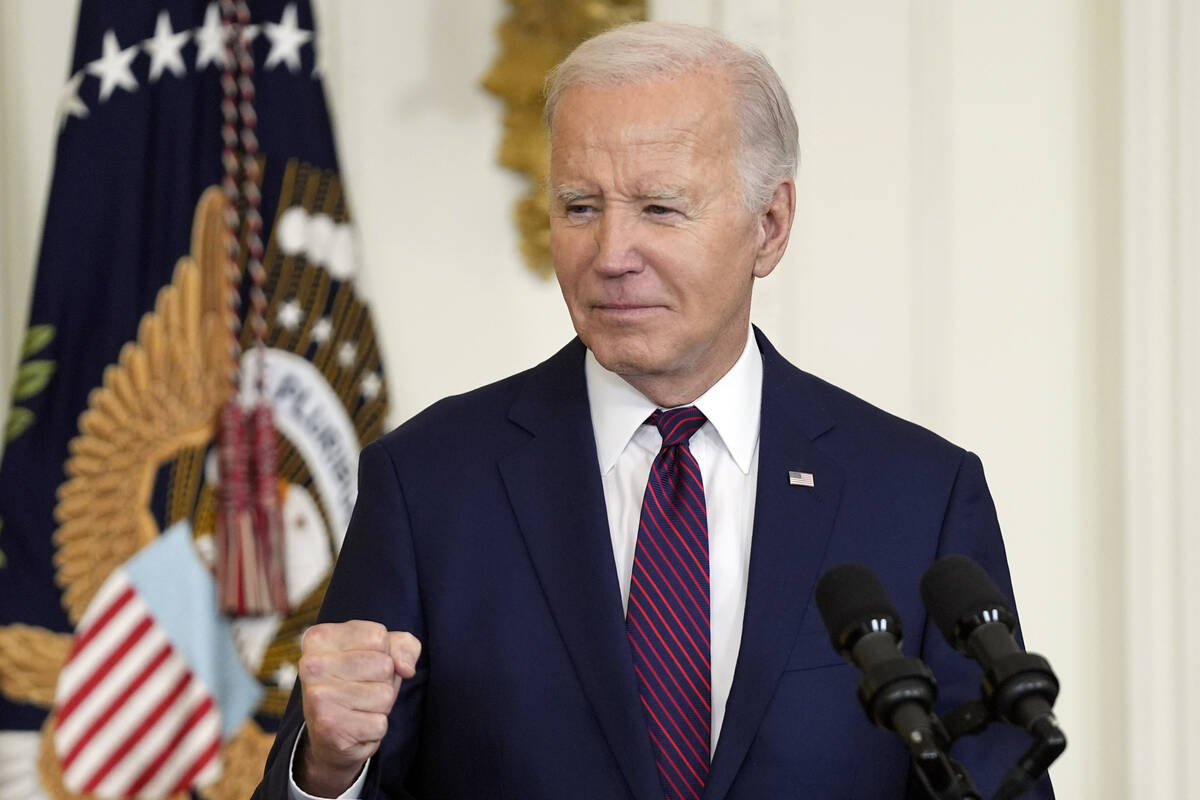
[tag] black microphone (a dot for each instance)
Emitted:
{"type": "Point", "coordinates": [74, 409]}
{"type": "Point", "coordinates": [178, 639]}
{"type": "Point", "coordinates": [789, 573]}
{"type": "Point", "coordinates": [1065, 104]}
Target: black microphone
{"type": "Point", "coordinates": [896, 692]}
{"type": "Point", "coordinates": [971, 612]}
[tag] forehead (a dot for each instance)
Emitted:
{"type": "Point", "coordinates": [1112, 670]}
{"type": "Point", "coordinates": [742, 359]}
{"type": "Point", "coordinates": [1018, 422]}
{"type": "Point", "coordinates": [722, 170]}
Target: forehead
{"type": "Point", "coordinates": [690, 113]}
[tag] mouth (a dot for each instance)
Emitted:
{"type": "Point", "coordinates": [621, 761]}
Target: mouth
{"type": "Point", "coordinates": [624, 313]}
{"type": "Point", "coordinates": [619, 308]}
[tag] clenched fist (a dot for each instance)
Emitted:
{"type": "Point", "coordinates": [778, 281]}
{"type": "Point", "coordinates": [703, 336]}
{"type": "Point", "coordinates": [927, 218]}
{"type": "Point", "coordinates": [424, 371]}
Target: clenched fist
{"type": "Point", "coordinates": [350, 673]}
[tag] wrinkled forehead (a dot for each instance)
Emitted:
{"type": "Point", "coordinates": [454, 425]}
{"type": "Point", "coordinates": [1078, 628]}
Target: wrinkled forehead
{"type": "Point", "coordinates": [690, 109]}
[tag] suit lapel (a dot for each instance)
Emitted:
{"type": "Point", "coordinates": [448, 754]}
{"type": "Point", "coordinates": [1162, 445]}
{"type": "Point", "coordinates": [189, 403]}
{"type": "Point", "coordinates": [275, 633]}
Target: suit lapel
{"type": "Point", "coordinates": [553, 483]}
{"type": "Point", "coordinates": [792, 526]}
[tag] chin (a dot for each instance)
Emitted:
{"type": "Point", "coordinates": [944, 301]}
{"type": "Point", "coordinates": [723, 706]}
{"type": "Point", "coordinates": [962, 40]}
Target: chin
{"type": "Point", "coordinates": [623, 358]}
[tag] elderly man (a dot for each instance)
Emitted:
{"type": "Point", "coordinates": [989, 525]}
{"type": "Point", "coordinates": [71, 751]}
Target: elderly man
{"type": "Point", "coordinates": [594, 579]}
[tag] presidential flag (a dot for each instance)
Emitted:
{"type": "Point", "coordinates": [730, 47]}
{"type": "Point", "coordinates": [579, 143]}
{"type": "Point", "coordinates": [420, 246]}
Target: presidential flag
{"type": "Point", "coordinates": [118, 675]}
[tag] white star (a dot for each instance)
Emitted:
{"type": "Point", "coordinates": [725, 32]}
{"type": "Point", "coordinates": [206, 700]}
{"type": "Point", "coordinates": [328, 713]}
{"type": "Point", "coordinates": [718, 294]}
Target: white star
{"type": "Point", "coordinates": [322, 330]}
{"type": "Point", "coordinates": [210, 39]}
{"type": "Point", "coordinates": [289, 315]}
{"type": "Point", "coordinates": [347, 353]}
{"type": "Point", "coordinates": [69, 104]}
{"type": "Point", "coordinates": [112, 68]}
{"type": "Point", "coordinates": [285, 676]}
{"type": "Point", "coordinates": [370, 386]}
{"type": "Point", "coordinates": [166, 48]}
{"type": "Point", "coordinates": [286, 39]}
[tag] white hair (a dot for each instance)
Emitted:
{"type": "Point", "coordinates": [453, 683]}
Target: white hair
{"type": "Point", "coordinates": [641, 52]}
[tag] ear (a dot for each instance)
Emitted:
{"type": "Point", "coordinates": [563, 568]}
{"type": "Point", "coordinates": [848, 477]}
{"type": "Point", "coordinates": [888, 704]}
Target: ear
{"type": "Point", "coordinates": [774, 228]}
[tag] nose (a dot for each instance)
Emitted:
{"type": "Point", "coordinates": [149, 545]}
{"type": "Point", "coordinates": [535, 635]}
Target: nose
{"type": "Point", "coordinates": [617, 250]}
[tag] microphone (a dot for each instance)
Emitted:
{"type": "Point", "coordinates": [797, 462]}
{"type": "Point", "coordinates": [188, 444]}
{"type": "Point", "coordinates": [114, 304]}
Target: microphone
{"type": "Point", "coordinates": [971, 612]}
{"type": "Point", "coordinates": [1018, 687]}
{"type": "Point", "coordinates": [897, 693]}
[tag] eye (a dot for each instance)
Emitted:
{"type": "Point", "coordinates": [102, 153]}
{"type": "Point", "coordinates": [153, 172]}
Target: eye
{"type": "Point", "coordinates": [656, 210]}
{"type": "Point", "coordinates": [579, 211]}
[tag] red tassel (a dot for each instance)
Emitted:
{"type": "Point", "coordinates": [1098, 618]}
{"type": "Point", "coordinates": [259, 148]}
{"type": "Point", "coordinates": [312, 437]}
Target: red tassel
{"type": "Point", "coordinates": [268, 516]}
{"type": "Point", "coordinates": [251, 572]}
{"type": "Point", "coordinates": [232, 514]}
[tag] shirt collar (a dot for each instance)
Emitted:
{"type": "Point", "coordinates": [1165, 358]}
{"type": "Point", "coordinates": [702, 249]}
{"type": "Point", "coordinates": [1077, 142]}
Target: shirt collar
{"type": "Point", "coordinates": [733, 406]}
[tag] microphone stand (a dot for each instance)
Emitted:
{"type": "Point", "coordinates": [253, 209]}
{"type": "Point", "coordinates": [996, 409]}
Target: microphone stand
{"type": "Point", "coordinates": [1048, 744]}
{"type": "Point", "coordinates": [943, 777]}
{"type": "Point", "coordinates": [898, 695]}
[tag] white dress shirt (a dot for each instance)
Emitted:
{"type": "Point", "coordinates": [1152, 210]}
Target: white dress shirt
{"type": "Point", "coordinates": [726, 448]}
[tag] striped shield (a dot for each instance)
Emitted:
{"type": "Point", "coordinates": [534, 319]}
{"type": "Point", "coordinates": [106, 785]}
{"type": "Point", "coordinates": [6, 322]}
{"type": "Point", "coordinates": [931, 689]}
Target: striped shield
{"type": "Point", "coordinates": [152, 675]}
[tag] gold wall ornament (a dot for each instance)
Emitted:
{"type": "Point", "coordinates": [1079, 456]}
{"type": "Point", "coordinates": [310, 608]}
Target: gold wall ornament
{"type": "Point", "coordinates": [535, 36]}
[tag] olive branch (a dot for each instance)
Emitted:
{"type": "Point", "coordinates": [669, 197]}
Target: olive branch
{"type": "Point", "coordinates": [32, 377]}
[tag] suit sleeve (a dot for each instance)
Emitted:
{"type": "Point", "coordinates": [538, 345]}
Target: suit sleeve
{"type": "Point", "coordinates": [375, 578]}
{"type": "Point", "coordinates": [970, 528]}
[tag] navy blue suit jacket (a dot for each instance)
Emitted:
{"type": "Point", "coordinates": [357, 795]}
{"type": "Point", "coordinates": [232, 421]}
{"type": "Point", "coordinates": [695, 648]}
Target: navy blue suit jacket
{"type": "Point", "coordinates": [481, 528]}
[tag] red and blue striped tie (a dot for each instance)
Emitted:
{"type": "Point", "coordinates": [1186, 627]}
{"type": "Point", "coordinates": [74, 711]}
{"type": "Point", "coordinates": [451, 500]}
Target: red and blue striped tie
{"type": "Point", "coordinates": [668, 616]}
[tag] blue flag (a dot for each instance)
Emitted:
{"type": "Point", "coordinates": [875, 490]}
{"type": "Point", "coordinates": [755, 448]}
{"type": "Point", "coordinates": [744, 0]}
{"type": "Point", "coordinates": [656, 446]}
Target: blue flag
{"type": "Point", "coordinates": [111, 433]}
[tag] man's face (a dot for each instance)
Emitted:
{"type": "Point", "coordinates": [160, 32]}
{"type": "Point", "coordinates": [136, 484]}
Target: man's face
{"type": "Point", "coordinates": [652, 247]}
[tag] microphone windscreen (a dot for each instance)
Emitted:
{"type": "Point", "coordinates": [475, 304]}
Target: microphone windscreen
{"type": "Point", "coordinates": [957, 588]}
{"type": "Point", "coordinates": [849, 595]}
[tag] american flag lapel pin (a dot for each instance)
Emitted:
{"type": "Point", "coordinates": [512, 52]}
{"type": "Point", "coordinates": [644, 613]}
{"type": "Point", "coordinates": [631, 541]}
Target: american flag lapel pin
{"type": "Point", "coordinates": [800, 478]}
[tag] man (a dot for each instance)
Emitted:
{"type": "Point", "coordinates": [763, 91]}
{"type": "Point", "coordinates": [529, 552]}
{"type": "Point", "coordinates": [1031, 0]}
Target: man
{"type": "Point", "coordinates": [520, 611]}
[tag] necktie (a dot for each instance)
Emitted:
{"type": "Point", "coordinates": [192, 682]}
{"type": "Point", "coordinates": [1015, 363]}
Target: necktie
{"type": "Point", "coordinates": [668, 616]}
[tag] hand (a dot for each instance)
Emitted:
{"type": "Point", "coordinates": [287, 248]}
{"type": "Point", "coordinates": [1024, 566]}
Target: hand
{"type": "Point", "coordinates": [350, 673]}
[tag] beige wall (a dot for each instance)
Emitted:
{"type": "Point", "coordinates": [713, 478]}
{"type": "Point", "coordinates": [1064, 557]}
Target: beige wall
{"type": "Point", "coordinates": [957, 258]}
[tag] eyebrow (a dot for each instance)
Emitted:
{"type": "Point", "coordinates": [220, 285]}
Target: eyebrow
{"type": "Point", "coordinates": [570, 194]}
{"type": "Point", "coordinates": [668, 193]}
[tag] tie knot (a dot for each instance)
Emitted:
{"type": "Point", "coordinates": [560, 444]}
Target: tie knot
{"type": "Point", "coordinates": [678, 424]}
